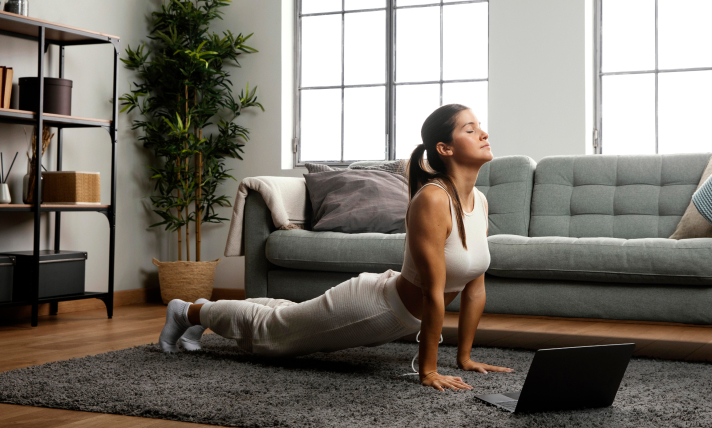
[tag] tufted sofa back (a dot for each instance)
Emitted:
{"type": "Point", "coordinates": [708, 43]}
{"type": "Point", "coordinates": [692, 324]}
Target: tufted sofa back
{"type": "Point", "coordinates": [507, 183]}
{"type": "Point", "coordinates": [636, 196]}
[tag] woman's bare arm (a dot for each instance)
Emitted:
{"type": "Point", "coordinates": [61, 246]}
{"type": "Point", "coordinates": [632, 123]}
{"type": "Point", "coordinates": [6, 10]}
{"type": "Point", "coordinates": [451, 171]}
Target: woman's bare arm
{"type": "Point", "coordinates": [472, 304]}
{"type": "Point", "coordinates": [429, 223]}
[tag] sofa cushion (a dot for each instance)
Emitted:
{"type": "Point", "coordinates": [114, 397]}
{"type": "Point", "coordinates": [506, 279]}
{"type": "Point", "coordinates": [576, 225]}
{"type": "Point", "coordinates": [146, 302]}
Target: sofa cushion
{"type": "Point", "coordinates": [647, 260]}
{"type": "Point", "coordinates": [507, 183]}
{"type": "Point", "coordinates": [336, 251]}
{"type": "Point", "coordinates": [636, 196]}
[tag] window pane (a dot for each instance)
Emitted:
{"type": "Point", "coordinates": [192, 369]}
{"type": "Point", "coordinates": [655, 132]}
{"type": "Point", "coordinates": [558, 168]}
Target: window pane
{"type": "Point", "coordinates": [320, 113]}
{"type": "Point", "coordinates": [414, 2]}
{"type": "Point", "coordinates": [318, 6]}
{"type": "Point", "coordinates": [465, 39]}
{"type": "Point", "coordinates": [628, 35]}
{"type": "Point", "coordinates": [684, 111]}
{"type": "Point", "coordinates": [684, 33]}
{"type": "Point", "coordinates": [418, 44]}
{"type": "Point", "coordinates": [414, 103]}
{"type": "Point", "coordinates": [365, 123]}
{"type": "Point", "coordinates": [471, 94]}
{"type": "Point", "coordinates": [628, 114]}
{"type": "Point", "coordinates": [365, 48]}
{"type": "Point", "coordinates": [321, 50]}
{"type": "Point", "coordinates": [364, 4]}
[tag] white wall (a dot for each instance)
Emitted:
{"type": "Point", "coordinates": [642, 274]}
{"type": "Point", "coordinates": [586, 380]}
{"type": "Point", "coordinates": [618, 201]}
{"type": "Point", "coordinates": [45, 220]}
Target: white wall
{"type": "Point", "coordinates": [537, 107]}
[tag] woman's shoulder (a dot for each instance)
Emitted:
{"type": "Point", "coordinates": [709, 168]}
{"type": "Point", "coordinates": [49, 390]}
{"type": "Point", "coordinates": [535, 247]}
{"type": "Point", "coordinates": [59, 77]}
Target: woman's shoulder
{"type": "Point", "coordinates": [433, 192]}
{"type": "Point", "coordinates": [431, 200]}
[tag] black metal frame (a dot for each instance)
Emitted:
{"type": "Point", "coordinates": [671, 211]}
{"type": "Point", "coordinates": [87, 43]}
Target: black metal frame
{"type": "Point", "coordinates": [40, 119]}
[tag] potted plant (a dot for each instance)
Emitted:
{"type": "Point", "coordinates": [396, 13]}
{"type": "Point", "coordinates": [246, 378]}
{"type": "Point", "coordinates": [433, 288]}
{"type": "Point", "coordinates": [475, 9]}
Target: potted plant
{"type": "Point", "coordinates": [183, 88]}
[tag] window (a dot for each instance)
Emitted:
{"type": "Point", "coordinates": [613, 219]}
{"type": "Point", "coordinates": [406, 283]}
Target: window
{"type": "Point", "coordinates": [370, 71]}
{"type": "Point", "coordinates": [654, 86]}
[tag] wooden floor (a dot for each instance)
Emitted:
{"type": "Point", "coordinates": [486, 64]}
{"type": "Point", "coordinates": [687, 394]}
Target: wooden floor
{"type": "Point", "coordinates": [79, 334]}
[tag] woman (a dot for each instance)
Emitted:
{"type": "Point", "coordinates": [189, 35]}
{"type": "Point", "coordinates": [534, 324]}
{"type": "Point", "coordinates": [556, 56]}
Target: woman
{"type": "Point", "coordinates": [446, 252]}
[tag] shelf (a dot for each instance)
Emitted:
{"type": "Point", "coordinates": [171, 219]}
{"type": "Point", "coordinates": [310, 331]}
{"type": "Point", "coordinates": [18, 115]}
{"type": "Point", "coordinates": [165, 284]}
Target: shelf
{"type": "Point", "coordinates": [44, 34]}
{"type": "Point", "coordinates": [50, 119]}
{"type": "Point", "coordinates": [26, 208]}
{"type": "Point", "coordinates": [25, 27]}
{"type": "Point", "coordinates": [85, 295]}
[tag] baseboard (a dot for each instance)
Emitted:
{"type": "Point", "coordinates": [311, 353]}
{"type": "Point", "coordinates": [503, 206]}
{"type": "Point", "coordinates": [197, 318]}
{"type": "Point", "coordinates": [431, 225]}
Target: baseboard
{"type": "Point", "coordinates": [121, 298]}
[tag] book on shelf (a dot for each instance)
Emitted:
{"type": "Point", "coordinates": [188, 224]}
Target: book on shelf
{"type": "Point", "coordinates": [3, 70]}
{"type": "Point", "coordinates": [5, 86]}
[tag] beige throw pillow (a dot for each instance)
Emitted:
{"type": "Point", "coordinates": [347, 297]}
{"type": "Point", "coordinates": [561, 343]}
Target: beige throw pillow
{"type": "Point", "coordinates": [692, 224]}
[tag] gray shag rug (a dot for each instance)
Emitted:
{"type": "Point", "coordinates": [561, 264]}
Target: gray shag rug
{"type": "Point", "coordinates": [356, 387]}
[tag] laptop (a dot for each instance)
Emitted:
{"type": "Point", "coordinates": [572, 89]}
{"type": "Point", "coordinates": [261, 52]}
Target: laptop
{"type": "Point", "coordinates": [568, 378]}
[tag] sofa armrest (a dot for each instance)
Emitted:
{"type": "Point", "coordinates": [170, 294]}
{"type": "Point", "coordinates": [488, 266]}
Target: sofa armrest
{"type": "Point", "coordinates": [257, 227]}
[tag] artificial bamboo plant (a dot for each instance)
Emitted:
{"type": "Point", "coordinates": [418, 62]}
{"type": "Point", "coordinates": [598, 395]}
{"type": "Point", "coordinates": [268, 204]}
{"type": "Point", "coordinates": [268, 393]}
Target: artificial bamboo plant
{"type": "Point", "coordinates": [183, 89]}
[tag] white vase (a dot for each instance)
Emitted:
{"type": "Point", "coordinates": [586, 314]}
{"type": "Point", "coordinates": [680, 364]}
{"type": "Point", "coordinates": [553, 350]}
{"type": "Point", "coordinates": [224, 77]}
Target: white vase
{"type": "Point", "coordinates": [5, 194]}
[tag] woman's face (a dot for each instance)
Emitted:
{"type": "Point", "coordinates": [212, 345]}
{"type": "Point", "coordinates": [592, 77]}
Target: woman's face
{"type": "Point", "coordinates": [470, 142]}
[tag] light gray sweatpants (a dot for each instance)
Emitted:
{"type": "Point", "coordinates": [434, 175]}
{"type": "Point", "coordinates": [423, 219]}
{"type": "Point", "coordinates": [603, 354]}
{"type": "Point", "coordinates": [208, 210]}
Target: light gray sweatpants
{"type": "Point", "coordinates": [362, 311]}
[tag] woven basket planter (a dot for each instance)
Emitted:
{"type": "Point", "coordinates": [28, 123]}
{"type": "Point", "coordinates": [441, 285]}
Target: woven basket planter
{"type": "Point", "coordinates": [188, 281]}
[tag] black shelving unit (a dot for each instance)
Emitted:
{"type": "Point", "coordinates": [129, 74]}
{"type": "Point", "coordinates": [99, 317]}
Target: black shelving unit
{"type": "Point", "coordinates": [45, 34]}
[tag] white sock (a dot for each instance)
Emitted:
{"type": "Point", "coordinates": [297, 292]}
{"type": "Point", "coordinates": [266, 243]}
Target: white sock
{"type": "Point", "coordinates": [190, 341]}
{"type": "Point", "coordinates": [176, 324]}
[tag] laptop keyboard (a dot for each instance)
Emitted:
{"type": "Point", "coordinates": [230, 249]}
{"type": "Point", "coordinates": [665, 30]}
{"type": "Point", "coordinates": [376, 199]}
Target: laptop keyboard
{"type": "Point", "coordinates": [509, 405]}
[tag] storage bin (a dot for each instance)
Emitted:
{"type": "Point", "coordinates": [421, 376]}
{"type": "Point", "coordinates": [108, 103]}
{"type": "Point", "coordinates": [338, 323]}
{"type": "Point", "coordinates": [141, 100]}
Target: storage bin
{"type": "Point", "coordinates": [61, 273]}
{"type": "Point", "coordinates": [57, 95]}
{"type": "Point", "coordinates": [71, 188]}
{"type": "Point", "coordinates": [7, 268]}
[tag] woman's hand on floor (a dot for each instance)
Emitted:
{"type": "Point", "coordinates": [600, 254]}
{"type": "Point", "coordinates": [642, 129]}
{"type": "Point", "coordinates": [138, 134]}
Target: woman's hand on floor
{"type": "Point", "coordinates": [442, 382]}
{"type": "Point", "coordinates": [470, 365]}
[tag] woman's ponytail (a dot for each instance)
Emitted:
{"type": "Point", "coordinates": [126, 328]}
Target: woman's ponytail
{"type": "Point", "coordinates": [417, 175]}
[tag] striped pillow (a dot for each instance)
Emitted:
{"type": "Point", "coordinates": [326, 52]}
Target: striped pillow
{"type": "Point", "coordinates": [703, 199]}
{"type": "Point", "coordinates": [694, 223]}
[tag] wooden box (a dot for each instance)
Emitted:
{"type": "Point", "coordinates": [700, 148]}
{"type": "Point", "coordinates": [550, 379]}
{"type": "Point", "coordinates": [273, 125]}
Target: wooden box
{"type": "Point", "coordinates": [71, 188]}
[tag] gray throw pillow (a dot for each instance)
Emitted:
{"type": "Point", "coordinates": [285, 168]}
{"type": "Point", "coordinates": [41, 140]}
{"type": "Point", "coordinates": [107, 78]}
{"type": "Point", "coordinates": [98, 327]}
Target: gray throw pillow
{"type": "Point", "coordinates": [394, 167]}
{"type": "Point", "coordinates": [314, 168]}
{"type": "Point", "coordinates": [357, 201]}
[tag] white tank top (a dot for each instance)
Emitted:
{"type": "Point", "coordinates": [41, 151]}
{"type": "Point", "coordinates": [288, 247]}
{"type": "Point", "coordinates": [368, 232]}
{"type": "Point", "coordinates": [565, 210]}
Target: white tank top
{"type": "Point", "coordinates": [461, 265]}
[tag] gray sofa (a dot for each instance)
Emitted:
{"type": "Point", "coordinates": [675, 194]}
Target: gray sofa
{"type": "Point", "coordinates": [571, 236]}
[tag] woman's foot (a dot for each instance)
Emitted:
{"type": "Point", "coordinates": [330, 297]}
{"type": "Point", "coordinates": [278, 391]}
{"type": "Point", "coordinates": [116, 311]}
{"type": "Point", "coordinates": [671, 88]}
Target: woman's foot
{"type": "Point", "coordinates": [190, 341]}
{"type": "Point", "coordinates": [176, 324]}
